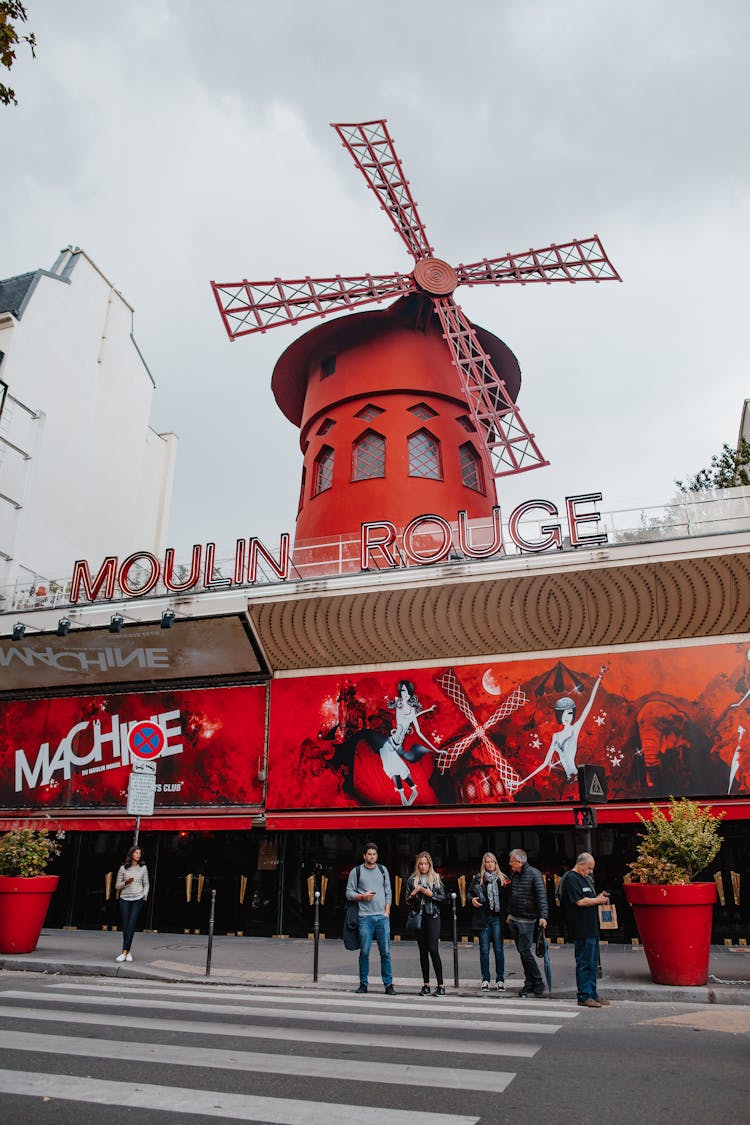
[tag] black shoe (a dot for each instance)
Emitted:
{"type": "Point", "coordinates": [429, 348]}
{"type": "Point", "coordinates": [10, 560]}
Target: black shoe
{"type": "Point", "coordinates": [424, 990]}
{"type": "Point", "coordinates": [524, 992]}
{"type": "Point", "coordinates": [539, 992]}
{"type": "Point", "coordinates": [439, 991]}
{"type": "Point", "coordinates": [361, 990]}
{"type": "Point", "coordinates": [389, 990]}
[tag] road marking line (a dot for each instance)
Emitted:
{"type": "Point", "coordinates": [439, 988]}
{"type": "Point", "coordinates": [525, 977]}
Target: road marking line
{"type": "Point", "coordinates": [449, 1078]}
{"type": "Point", "coordinates": [449, 1005]}
{"type": "Point", "coordinates": [336, 1038]}
{"type": "Point", "coordinates": [361, 1015]}
{"type": "Point", "coordinates": [213, 1103]}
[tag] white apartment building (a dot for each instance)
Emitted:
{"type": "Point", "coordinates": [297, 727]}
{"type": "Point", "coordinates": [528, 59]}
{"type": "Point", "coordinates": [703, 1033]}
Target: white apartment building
{"type": "Point", "coordinates": [81, 472]}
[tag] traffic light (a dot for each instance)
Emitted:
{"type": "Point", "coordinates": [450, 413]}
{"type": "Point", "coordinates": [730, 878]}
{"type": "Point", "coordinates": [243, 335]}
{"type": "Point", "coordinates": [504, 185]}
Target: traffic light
{"type": "Point", "coordinates": [584, 817]}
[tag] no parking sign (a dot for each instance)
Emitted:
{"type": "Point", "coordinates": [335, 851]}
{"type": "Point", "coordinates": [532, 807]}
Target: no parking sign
{"type": "Point", "coordinates": [146, 740]}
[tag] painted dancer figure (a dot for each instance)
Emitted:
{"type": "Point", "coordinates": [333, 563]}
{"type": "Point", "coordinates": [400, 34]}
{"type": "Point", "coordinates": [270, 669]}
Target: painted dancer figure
{"type": "Point", "coordinates": [563, 747]}
{"type": "Point", "coordinates": [394, 758]}
{"type": "Point", "coordinates": [745, 696]}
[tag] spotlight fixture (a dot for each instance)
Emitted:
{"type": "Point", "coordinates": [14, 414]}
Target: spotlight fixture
{"type": "Point", "coordinates": [19, 631]}
{"type": "Point", "coordinates": [167, 619]}
{"type": "Point", "coordinates": [63, 627]}
{"type": "Point", "coordinates": [116, 623]}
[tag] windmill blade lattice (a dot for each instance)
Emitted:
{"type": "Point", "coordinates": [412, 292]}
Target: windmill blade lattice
{"type": "Point", "coordinates": [256, 306]}
{"type": "Point", "coordinates": [580, 260]}
{"type": "Point", "coordinates": [448, 755]}
{"type": "Point", "coordinates": [372, 149]}
{"type": "Point", "coordinates": [512, 448]}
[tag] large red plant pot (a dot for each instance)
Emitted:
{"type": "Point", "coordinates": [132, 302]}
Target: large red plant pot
{"type": "Point", "coordinates": [674, 924]}
{"type": "Point", "coordinates": [23, 908]}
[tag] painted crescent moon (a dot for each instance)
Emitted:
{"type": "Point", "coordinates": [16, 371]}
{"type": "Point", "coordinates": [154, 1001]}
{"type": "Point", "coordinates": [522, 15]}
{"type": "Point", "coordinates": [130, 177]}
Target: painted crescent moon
{"type": "Point", "coordinates": [490, 684]}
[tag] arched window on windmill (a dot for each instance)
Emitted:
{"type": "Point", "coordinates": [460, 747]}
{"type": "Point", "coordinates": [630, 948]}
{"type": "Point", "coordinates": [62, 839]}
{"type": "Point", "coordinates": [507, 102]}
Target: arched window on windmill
{"type": "Point", "coordinates": [368, 456]}
{"type": "Point", "coordinates": [424, 456]}
{"type": "Point", "coordinates": [323, 471]}
{"type": "Point", "coordinates": [471, 467]}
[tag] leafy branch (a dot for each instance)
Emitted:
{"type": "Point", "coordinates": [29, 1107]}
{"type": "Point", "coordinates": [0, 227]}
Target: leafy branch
{"type": "Point", "coordinates": [12, 12]}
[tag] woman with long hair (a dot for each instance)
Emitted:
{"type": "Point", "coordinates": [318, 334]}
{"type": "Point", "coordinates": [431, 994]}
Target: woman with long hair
{"type": "Point", "coordinates": [424, 894]}
{"type": "Point", "coordinates": [394, 756]}
{"type": "Point", "coordinates": [485, 895]}
{"type": "Point", "coordinates": [132, 887]}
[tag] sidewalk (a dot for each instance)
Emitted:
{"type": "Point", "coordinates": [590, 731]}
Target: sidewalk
{"type": "Point", "coordinates": [279, 962]}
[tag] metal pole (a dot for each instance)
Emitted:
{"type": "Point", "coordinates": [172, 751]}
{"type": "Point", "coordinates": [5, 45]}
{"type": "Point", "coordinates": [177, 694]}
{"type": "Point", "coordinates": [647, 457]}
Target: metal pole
{"type": "Point", "coordinates": [455, 939]}
{"type": "Point", "coordinates": [210, 933]}
{"type": "Point", "coordinates": [316, 935]}
{"type": "Point", "coordinates": [137, 830]}
{"type": "Point", "coordinates": [152, 889]}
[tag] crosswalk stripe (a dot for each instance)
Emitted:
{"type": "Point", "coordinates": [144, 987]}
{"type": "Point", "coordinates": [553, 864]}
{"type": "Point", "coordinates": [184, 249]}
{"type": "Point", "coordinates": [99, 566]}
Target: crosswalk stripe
{"type": "Point", "coordinates": [403, 1074]}
{"type": "Point", "coordinates": [213, 1103]}
{"type": "Point", "coordinates": [241, 1031]}
{"type": "Point", "coordinates": [540, 1008]}
{"type": "Point", "coordinates": [360, 1015]}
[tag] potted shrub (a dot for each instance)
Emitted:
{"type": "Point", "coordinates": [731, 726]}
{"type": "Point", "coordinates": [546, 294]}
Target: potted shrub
{"type": "Point", "coordinates": [25, 888]}
{"type": "Point", "coordinates": [674, 914]}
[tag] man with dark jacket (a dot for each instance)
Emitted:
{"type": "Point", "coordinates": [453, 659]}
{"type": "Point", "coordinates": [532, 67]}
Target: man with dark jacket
{"type": "Point", "coordinates": [527, 908]}
{"type": "Point", "coordinates": [580, 901]}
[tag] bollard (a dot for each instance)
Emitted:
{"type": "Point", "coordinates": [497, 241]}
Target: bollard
{"type": "Point", "coordinates": [210, 933]}
{"type": "Point", "coordinates": [316, 935]}
{"type": "Point", "coordinates": [455, 939]}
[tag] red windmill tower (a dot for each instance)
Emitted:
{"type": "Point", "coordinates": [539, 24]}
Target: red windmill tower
{"type": "Point", "coordinates": [411, 409]}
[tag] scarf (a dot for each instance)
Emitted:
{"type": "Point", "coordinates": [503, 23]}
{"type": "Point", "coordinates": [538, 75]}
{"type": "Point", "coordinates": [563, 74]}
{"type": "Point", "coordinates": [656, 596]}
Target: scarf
{"type": "Point", "coordinates": [493, 891]}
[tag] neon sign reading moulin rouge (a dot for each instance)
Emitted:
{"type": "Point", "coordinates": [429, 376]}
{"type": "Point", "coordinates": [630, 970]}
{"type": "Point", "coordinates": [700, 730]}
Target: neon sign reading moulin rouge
{"type": "Point", "coordinates": [377, 542]}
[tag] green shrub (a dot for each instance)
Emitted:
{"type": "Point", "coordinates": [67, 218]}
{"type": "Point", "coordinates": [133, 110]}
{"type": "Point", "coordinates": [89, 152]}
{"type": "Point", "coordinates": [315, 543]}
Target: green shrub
{"type": "Point", "coordinates": [26, 852]}
{"type": "Point", "coordinates": [676, 848]}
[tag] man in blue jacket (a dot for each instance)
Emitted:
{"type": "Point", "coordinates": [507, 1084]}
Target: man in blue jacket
{"type": "Point", "coordinates": [527, 907]}
{"type": "Point", "coordinates": [369, 886]}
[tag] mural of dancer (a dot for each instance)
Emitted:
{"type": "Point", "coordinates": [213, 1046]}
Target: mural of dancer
{"type": "Point", "coordinates": [563, 747]}
{"type": "Point", "coordinates": [394, 756]}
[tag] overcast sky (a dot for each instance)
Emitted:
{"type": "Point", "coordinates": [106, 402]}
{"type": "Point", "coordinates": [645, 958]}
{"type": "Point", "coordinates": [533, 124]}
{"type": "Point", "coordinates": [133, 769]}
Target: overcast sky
{"type": "Point", "coordinates": [179, 142]}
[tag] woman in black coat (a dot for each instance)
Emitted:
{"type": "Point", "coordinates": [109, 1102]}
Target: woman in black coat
{"type": "Point", "coordinates": [424, 894]}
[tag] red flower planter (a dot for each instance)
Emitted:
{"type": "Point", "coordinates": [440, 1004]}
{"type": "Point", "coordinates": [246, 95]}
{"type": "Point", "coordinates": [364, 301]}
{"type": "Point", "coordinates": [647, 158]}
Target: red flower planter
{"type": "Point", "coordinates": [23, 908]}
{"type": "Point", "coordinates": [674, 924]}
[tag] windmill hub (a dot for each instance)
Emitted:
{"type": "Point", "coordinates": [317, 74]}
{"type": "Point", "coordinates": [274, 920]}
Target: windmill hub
{"type": "Point", "coordinates": [435, 277]}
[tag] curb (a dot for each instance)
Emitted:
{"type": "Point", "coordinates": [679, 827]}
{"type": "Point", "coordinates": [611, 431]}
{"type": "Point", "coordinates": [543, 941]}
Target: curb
{"type": "Point", "coordinates": [614, 990]}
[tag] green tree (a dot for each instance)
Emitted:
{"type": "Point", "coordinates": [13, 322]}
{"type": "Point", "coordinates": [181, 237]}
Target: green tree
{"type": "Point", "coordinates": [12, 12]}
{"type": "Point", "coordinates": [728, 469]}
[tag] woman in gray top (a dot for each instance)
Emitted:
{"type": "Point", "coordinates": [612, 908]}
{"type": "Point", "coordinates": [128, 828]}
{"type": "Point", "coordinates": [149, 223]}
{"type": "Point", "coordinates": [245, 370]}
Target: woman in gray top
{"type": "Point", "coordinates": [132, 887]}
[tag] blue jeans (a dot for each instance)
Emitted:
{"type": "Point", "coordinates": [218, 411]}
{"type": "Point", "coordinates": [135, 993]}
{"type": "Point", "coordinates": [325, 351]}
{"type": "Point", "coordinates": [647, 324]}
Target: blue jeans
{"type": "Point", "coordinates": [375, 926]}
{"type": "Point", "coordinates": [492, 933]}
{"type": "Point", "coordinates": [586, 967]}
{"type": "Point", "coordinates": [523, 935]}
{"type": "Point", "coordinates": [129, 912]}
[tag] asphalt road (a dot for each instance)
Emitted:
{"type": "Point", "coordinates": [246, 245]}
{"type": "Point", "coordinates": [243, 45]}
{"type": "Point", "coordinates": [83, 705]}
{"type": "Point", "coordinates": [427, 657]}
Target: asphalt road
{"type": "Point", "coordinates": [113, 1051]}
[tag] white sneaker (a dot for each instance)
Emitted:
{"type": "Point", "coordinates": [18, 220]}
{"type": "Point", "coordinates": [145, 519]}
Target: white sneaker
{"type": "Point", "coordinates": [120, 957]}
{"type": "Point", "coordinates": [485, 986]}
{"type": "Point", "coordinates": [500, 986]}
{"type": "Point", "coordinates": [128, 956]}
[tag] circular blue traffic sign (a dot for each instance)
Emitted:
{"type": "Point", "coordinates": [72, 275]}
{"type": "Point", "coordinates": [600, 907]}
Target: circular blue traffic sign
{"type": "Point", "coordinates": [146, 740]}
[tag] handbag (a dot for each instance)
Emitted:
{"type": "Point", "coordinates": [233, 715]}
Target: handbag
{"type": "Point", "coordinates": [350, 932]}
{"type": "Point", "coordinates": [541, 943]}
{"type": "Point", "coordinates": [414, 921]}
{"type": "Point", "coordinates": [608, 917]}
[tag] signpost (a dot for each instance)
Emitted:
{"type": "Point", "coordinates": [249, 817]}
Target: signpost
{"type": "Point", "coordinates": [146, 740]}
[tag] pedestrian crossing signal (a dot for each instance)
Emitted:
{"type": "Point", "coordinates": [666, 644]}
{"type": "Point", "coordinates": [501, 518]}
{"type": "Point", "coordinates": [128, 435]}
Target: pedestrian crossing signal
{"type": "Point", "coordinates": [584, 817]}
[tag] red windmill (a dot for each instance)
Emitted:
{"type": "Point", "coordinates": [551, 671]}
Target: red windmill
{"type": "Point", "coordinates": [405, 425]}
